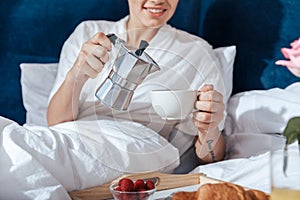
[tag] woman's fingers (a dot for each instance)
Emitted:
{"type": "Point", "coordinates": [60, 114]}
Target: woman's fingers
{"type": "Point", "coordinates": [101, 39]}
{"type": "Point", "coordinates": [207, 106]}
{"type": "Point", "coordinates": [101, 53]}
{"type": "Point", "coordinates": [211, 95]}
{"type": "Point", "coordinates": [93, 55]}
{"type": "Point", "coordinates": [98, 51]}
{"type": "Point", "coordinates": [206, 88]}
{"type": "Point", "coordinates": [210, 108]}
{"type": "Point", "coordinates": [208, 117]}
{"type": "Point", "coordinates": [94, 63]}
{"type": "Point", "coordinates": [209, 101]}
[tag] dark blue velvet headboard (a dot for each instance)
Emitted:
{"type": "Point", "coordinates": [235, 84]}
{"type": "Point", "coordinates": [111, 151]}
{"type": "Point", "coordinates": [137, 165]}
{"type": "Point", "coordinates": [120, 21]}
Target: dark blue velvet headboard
{"type": "Point", "coordinates": [259, 28]}
{"type": "Point", "coordinates": [34, 31]}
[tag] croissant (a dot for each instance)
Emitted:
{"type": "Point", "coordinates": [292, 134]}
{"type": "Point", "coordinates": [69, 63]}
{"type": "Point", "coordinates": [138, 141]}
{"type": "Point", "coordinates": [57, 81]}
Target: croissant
{"type": "Point", "coordinates": [221, 191]}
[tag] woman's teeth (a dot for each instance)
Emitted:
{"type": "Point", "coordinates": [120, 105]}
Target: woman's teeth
{"type": "Point", "coordinates": [155, 10]}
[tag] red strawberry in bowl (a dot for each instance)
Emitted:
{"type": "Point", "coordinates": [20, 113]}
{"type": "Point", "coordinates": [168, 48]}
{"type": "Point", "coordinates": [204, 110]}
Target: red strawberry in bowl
{"type": "Point", "coordinates": [126, 185]}
{"type": "Point", "coordinates": [139, 184]}
{"type": "Point", "coordinates": [150, 185]}
{"type": "Point", "coordinates": [129, 189]}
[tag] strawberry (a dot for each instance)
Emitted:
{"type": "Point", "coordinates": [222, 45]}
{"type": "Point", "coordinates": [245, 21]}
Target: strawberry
{"type": "Point", "coordinates": [125, 197]}
{"type": "Point", "coordinates": [126, 185]}
{"type": "Point", "coordinates": [118, 188]}
{"type": "Point", "coordinates": [142, 195]}
{"type": "Point", "coordinates": [139, 184]}
{"type": "Point", "coordinates": [150, 185]}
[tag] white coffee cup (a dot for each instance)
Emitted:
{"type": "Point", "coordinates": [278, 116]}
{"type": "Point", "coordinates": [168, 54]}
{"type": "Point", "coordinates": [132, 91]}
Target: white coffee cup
{"type": "Point", "coordinates": [173, 104]}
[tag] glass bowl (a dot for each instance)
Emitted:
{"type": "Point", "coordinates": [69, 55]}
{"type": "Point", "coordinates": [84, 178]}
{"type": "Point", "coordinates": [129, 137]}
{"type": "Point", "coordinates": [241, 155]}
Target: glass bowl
{"type": "Point", "coordinates": [140, 195]}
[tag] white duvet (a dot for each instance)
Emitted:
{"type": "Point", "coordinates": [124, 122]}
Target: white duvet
{"type": "Point", "coordinates": [44, 163]}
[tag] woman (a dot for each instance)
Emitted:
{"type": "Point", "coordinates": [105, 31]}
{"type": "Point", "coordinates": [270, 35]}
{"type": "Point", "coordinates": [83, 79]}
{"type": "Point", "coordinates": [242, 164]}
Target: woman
{"type": "Point", "coordinates": [186, 61]}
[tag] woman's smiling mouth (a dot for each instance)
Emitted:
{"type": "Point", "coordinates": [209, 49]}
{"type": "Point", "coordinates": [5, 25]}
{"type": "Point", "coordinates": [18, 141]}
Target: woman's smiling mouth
{"type": "Point", "coordinates": [155, 12]}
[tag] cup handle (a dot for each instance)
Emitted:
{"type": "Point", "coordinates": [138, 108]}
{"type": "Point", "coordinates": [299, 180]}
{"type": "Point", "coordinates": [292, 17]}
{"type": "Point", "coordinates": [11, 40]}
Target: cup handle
{"type": "Point", "coordinates": [194, 107]}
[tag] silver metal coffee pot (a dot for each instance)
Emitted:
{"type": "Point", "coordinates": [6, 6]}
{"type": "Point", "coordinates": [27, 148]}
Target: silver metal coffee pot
{"type": "Point", "coordinates": [128, 70]}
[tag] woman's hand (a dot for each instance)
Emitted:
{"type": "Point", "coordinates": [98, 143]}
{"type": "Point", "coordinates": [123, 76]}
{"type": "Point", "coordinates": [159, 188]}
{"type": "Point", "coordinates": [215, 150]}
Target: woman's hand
{"type": "Point", "coordinates": [64, 106]}
{"type": "Point", "coordinates": [92, 57]}
{"type": "Point", "coordinates": [210, 108]}
{"type": "Point", "coordinates": [210, 145]}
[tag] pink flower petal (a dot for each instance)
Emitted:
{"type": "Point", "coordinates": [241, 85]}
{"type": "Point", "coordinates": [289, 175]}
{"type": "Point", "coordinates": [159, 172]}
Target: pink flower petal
{"type": "Point", "coordinates": [286, 63]}
{"type": "Point", "coordinates": [296, 61]}
{"type": "Point", "coordinates": [290, 52]}
{"type": "Point", "coordinates": [296, 44]}
{"type": "Point", "coordinates": [295, 71]}
{"type": "Point", "coordinates": [285, 53]}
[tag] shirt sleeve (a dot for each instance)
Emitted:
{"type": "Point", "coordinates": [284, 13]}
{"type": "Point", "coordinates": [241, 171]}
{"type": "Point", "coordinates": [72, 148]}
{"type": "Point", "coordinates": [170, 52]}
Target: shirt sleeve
{"type": "Point", "coordinates": [69, 53]}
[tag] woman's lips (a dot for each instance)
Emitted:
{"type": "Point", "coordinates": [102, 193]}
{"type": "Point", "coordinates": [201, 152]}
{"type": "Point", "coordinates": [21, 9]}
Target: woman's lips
{"type": "Point", "coordinates": [156, 12]}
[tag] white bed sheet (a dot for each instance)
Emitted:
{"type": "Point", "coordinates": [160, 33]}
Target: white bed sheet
{"type": "Point", "coordinates": [253, 172]}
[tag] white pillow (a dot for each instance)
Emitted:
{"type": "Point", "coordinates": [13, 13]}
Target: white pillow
{"type": "Point", "coordinates": [37, 80]}
{"type": "Point", "coordinates": [226, 57]}
{"type": "Point", "coordinates": [257, 117]}
{"type": "Point", "coordinates": [263, 111]}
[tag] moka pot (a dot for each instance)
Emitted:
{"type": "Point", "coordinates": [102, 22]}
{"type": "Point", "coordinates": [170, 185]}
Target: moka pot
{"type": "Point", "coordinates": [128, 70]}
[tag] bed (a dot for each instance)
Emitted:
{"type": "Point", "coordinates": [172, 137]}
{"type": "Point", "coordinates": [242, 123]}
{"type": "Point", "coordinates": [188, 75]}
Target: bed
{"type": "Point", "coordinates": [263, 96]}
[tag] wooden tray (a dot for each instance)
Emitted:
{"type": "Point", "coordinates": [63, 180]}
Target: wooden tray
{"type": "Point", "coordinates": [165, 181]}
